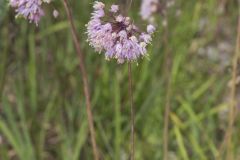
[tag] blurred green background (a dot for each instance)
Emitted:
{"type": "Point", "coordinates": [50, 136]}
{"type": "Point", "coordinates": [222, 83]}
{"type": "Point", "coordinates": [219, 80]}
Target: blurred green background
{"type": "Point", "coordinates": [42, 106]}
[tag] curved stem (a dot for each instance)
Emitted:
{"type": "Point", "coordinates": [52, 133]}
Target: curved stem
{"type": "Point", "coordinates": [84, 79]}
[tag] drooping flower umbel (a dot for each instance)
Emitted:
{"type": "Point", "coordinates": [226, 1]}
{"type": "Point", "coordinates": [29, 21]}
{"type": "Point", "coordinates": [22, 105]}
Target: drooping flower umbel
{"type": "Point", "coordinates": [29, 9]}
{"type": "Point", "coordinates": [110, 32]}
{"type": "Point", "coordinates": [148, 8]}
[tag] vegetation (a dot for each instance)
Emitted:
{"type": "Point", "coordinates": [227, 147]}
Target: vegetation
{"type": "Point", "coordinates": [42, 104]}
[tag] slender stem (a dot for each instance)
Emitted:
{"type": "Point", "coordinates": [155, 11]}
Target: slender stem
{"type": "Point", "coordinates": [132, 111]}
{"type": "Point", "coordinates": [130, 90]}
{"type": "Point", "coordinates": [231, 118]}
{"type": "Point", "coordinates": [129, 5]}
{"type": "Point", "coordinates": [167, 107]}
{"type": "Point", "coordinates": [227, 142]}
{"type": "Point", "coordinates": [166, 122]}
{"type": "Point", "coordinates": [3, 64]}
{"type": "Point", "coordinates": [84, 78]}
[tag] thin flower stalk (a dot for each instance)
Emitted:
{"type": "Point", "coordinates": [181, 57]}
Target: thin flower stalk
{"type": "Point", "coordinates": [119, 38]}
{"type": "Point", "coordinates": [130, 90]}
{"type": "Point", "coordinates": [85, 80]}
{"type": "Point", "coordinates": [227, 141]}
{"type": "Point", "coordinates": [232, 112]}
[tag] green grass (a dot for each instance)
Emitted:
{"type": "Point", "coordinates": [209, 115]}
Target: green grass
{"type": "Point", "coordinates": [42, 105]}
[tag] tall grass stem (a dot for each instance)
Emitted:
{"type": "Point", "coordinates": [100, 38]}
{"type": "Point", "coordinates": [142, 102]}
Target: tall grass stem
{"type": "Point", "coordinates": [84, 78]}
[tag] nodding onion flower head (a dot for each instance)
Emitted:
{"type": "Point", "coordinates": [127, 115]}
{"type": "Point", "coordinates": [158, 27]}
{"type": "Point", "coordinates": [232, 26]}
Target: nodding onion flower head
{"type": "Point", "coordinates": [29, 9]}
{"type": "Point", "coordinates": [110, 32]}
{"type": "Point", "coordinates": [148, 8]}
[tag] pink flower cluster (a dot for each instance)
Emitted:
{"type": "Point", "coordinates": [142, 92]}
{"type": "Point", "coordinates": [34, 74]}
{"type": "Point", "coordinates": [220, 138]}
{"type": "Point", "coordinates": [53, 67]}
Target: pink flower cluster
{"type": "Point", "coordinates": [148, 8]}
{"type": "Point", "coordinates": [29, 9]}
{"type": "Point", "coordinates": [116, 35]}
